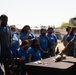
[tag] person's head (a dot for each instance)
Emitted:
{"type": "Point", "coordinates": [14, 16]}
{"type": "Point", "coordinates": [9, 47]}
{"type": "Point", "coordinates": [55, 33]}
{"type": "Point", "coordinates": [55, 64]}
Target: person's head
{"type": "Point", "coordinates": [35, 43]}
{"type": "Point", "coordinates": [73, 30]}
{"type": "Point", "coordinates": [4, 20]}
{"type": "Point", "coordinates": [68, 29]}
{"type": "Point", "coordinates": [26, 28]}
{"type": "Point", "coordinates": [43, 32]}
{"type": "Point", "coordinates": [25, 45]}
{"type": "Point", "coordinates": [13, 28]}
{"type": "Point", "coordinates": [50, 30]}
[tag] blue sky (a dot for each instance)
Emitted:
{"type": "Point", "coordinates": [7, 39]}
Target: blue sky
{"type": "Point", "coordinates": [38, 12]}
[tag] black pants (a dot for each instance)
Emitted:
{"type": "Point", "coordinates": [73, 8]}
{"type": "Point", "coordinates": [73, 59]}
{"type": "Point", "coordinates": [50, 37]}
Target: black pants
{"type": "Point", "coordinates": [22, 69]}
{"type": "Point", "coordinates": [4, 61]}
{"type": "Point", "coordinates": [45, 55]}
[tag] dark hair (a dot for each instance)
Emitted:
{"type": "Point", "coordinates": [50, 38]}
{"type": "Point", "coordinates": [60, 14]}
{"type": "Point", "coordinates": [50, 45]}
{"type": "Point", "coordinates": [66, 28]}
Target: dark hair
{"type": "Point", "coordinates": [68, 28]}
{"type": "Point", "coordinates": [23, 29]}
{"type": "Point", "coordinates": [42, 29]}
{"type": "Point", "coordinates": [3, 16]}
{"type": "Point", "coordinates": [72, 30]}
{"type": "Point", "coordinates": [34, 41]}
{"type": "Point", "coordinates": [24, 43]}
{"type": "Point", "coordinates": [50, 28]}
{"type": "Point", "coordinates": [33, 44]}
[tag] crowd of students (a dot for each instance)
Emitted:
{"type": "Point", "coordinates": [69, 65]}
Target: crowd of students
{"type": "Point", "coordinates": [36, 48]}
{"type": "Point", "coordinates": [31, 49]}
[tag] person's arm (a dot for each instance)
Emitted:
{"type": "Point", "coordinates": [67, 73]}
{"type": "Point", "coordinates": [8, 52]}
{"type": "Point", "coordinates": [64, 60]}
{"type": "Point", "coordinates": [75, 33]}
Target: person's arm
{"type": "Point", "coordinates": [41, 49]}
{"type": "Point", "coordinates": [30, 53]}
{"type": "Point", "coordinates": [1, 71]}
{"type": "Point", "coordinates": [64, 40]}
{"type": "Point", "coordinates": [29, 57]}
{"type": "Point", "coordinates": [68, 47]}
{"type": "Point", "coordinates": [55, 43]}
{"type": "Point", "coordinates": [32, 37]}
{"type": "Point", "coordinates": [22, 58]}
{"type": "Point", "coordinates": [25, 37]}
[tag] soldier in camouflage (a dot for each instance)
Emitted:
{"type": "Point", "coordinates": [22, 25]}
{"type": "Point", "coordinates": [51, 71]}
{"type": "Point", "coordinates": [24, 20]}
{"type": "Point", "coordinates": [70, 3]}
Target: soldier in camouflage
{"type": "Point", "coordinates": [69, 46]}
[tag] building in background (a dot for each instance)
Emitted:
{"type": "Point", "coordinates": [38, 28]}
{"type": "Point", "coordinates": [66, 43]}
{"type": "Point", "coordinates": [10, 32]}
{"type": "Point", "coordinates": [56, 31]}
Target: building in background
{"type": "Point", "coordinates": [36, 30]}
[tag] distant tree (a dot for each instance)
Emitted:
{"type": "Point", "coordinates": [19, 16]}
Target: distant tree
{"type": "Point", "coordinates": [53, 26]}
{"type": "Point", "coordinates": [71, 20]}
{"type": "Point", "coordinates": [65, 24]}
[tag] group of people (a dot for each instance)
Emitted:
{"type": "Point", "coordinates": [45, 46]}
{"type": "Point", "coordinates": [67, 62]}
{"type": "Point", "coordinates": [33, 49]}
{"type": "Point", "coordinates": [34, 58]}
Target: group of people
{"type": "Point", "coordinates": [36, 48]}
{"type": "Point", "coordinates": [31, 49]}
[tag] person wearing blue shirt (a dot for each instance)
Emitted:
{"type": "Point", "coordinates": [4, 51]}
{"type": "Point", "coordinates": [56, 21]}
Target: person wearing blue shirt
{"type": "Point", "coordinates": [43, 43]}
{"type": "Point", "coordinates": [53, 40]}
{"type": "Point", "coordinates": [5, 41]}
{"type": "Point", "coordinates": [69, 38]}
{"type": "Point", "coordinates": [26, 34]}
{"type": "Point", "coordinates": [23, 55]}
{"type": "Point", "coordinates": [34, 51]}
{"type": "Point", "coordinates": [14, 40]}
{"type": "Point", "coordinates": [68, 28]}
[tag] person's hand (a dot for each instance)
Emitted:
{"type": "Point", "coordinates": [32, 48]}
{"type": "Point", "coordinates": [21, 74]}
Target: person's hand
{"type": "Point", "coordinates": [58, 57]}
{"type": "Point", "coordinates": [32, 39]}
{"type": "Point", "coordinates": [28, 31]}
{"type": "Point", "coordinates": [13, 42]}
{"type": "Point", "coordinates": [22, 58]}
{"type": "Point", "coordinates": [64, 56]}
{"type": "Point", "coordinates": [46, 51]}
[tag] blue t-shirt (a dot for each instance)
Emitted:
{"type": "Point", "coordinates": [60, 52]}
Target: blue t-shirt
{"type": "Point", "coordinates": [15, 46]}
{"type": "Point", "coordinates": [43, 42]}
{"type": "Point", "coordinates": [35, 55]}
{"type": "Point", "coordinates": [69, 37]}
{"type": "Point", "coordinates": [30, 36]}
{"type": "Point", "coordinates": [52, 38]}
{"type": "Point", "coordinates": [24, 53]}
{"type": "Point", "coordinates": [14, 37]}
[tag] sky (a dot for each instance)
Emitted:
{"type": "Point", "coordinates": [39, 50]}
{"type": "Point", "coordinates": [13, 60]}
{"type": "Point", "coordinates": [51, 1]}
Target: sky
{"type": "Point", "coordinates": [38, 12]}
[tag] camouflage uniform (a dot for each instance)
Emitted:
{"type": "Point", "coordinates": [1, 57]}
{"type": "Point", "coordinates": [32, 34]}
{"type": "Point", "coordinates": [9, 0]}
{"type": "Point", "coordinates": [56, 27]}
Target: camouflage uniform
{"type": "Point", "coordinates": [69, 46]}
